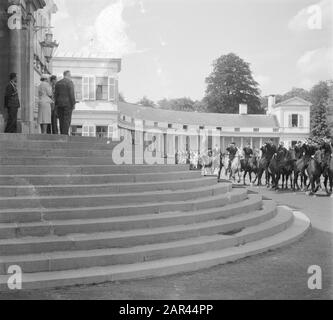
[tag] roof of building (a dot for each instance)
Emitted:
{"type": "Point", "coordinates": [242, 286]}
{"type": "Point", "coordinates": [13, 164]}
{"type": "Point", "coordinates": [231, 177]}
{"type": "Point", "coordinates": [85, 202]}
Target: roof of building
{"type": "Point", "coordinates": [295, 101]}
{"type": "Point", "coordinates": [197, 118]}
{"type": "Point", "coordinates": [86, 54]}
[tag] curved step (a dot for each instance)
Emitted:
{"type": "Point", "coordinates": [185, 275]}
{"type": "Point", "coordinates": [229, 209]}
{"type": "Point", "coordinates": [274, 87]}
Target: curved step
{"type": "Point", "coordinates": [46, 214]}
{"type": "Point", "coordinates": [244, 247]}
{"type": "Point", "coordinates": [80, 179]}
{"type": "Point", "coordinates": [87, 169]}
{"type": "Point", "coordinates": [57, 161]}
{"type": "Point", "coordinates": [93, 224]}
{"type": "Point", "coordinates": [15, 137]}
{"type": "Point", "coordinates": [66, 260]}
{"type": "Point", "coordinates": [53, 152]}
{"type": "Point", "coordinates": [57, 144]}
{"type": "Point", "coordinates": [126, 239]}
{"type": "Point", "coordinates": [79, 201]}
{"type": "Point", "coordinates": [62, 190]}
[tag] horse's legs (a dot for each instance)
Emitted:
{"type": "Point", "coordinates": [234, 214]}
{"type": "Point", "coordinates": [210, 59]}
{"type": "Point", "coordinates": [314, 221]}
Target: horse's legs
{"type": "Point", "coordinates": [277, 179]}
{"type": "Point", "coordinates": [325, 184]}
{"type": "Point", "coordinates": [250, 174]}
{"type": "Point", "coordinates": [296, 180]}
{"type": "Point", "coordinates": [244, 176]}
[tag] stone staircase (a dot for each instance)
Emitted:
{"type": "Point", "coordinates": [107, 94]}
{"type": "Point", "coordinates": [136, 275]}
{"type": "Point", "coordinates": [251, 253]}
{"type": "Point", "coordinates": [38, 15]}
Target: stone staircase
{"type": "Point", "coordinates": [68, 216]}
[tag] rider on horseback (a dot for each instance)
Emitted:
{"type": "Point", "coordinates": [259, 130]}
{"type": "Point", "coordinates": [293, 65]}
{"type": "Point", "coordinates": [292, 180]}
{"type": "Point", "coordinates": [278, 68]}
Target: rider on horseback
{"type": "Point", "coordinates": [248, 152]}
{"type": "Point", "coordinates": [299, 150]}
{"type": "Point", "coordinates": [326, 147]}
{"type": "Point", "coordinates": [232, 150]}
{"type": "Point", "coordinates": [282, 148]}
{"type": "Point", "coordinates": [270, 150]}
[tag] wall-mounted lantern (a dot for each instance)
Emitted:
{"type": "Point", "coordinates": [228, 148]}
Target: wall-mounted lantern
{"type": "Point", "coordinates": [48, 46]}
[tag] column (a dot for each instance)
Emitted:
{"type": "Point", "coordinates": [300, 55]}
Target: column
{"type": "Point", "coordinates": [15, 56]}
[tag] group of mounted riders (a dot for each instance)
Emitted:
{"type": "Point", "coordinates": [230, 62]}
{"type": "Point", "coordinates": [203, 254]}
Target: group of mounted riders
{"type": "Point", "coordinates": [307, 161]}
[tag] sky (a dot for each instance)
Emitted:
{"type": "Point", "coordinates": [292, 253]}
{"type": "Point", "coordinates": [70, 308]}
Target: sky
{"type": "Point", "coordinates": [167, 47]}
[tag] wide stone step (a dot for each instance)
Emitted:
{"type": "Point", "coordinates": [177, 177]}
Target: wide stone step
{"type": "Point", "coordinates": [62, 190]}
{"type": "Point", "coordinates": [48, 214]}
{"type": "Point", "coordinates": [38, 145]}
{"type": "Point", "coordinates": [80, 201]}
{"type": "Point", "coordinates": [52, 152]}
{"type": "Point", "coordinates": [15, 137]}
{"type": "Point", "coordinates": [93, 225]}
{"type": "Point", "coordinates": [65, 260]}
{"type": "Point", "coordinates": [49, 161]}
{"type": "Point", "coordinates": [54, 142]}
{"type": "Point", "coordinates": [87, 169]}
{"type": "Point", "coordinates": [126, 239]}
{"type": "Point", "coordinates": [291, 228]}
{"type": "Point", "coordinates": [79, 179]}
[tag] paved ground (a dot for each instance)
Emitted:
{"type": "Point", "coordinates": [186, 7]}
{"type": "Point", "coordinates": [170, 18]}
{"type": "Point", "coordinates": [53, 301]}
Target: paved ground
{"type": "Point", "coordinates": [281, 274]}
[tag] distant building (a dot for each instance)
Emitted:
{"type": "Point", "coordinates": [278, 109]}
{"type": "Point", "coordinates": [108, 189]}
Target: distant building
{"type": "Point", "coordinates": [99, 113]}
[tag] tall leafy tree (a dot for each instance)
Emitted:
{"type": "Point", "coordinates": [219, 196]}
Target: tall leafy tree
{"type": "Point", "coordinates": [121, 97]}
{"type": "Point", "coordinates": [230, 84]}
{"type": "Point", "coordinates": [319, 123]}
{"type": "Point", "coordinates": [146, 102]}
{"type": "Point", "coordinates": [180, 104]}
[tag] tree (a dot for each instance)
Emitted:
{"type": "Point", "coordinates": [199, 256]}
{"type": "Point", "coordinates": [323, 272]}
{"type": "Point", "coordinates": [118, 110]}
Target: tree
{"type": "Point", "coordinates": [319, 95]}
{"type": "Point", "coordinates": [297, 92]}
{"type": "Point", "coordinates": [180, 104]}
{"type": "Point", "coordinates": [121, 97]}
{"type": "Point", "coordinates": [146, 102]}
{"type": "Point", "coordinates": [230, 84]}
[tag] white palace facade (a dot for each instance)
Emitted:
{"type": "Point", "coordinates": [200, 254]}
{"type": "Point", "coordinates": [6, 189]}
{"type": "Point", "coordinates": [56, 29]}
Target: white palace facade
{"type": "Point", "coordinates": [99, 113]}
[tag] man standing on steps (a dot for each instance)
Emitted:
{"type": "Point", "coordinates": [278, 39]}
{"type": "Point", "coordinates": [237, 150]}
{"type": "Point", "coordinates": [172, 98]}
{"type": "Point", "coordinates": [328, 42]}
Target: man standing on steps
{"type": "Point", "coordinates": [65, 102]}
{"type": "Point", "coordinates": [12, 104]}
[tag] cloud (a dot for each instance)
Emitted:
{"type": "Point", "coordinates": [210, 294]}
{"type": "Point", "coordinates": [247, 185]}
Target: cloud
{"type": "Point", "coordinates": [110, 30]}
{"type": "Point", "coordinates": [313, 17]}
{"type": "Point", "coordinates": [105, 31]}
{"type": "Point", "coordinates": [316, 65]}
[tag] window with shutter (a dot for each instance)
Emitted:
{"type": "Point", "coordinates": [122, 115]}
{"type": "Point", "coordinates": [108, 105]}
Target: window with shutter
{"type": "Point", "coordinates": [301, 121]}
{"type": "Point", "coordinates": [92, 88]}
{"type": "Point", "coordinates": [116, 91]}
{"type": "Point", "coordinates": [110, 131]}
{"type": "Point", "coordinates": [290, 124]}
{"type": "Point", "coordinates": [85, 130]}
{"type": "Point", "coordinates": [92, 131]}
{"type": "Point", "coordinates": [112, 89]}
{"type": "Point", "coordinates": [89, 88]}
{"type": "Point", "coordinates": [85, 88]}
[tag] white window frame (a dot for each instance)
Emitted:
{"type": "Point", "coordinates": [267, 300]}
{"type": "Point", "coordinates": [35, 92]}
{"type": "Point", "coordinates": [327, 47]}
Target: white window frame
{"type": "Point", "coordinates": [88, 130]}
{"type": "Point", "coordinates": [86, 82]}
{"type": "Point", "coordinates": [112, 84]}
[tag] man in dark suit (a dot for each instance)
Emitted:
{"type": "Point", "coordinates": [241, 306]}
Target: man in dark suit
{"type": "Point", "coordinates": [12, 104]}
{"type": "Point", "coordinates": [65, 102]}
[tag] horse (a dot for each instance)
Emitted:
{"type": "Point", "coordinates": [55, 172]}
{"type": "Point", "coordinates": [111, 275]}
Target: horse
{"type": "Point", "coordinates": [206, 162]}
{"type": "Point", "coordinates": [287, 166]}
{"type": "Point", "coordinates": [249, 166]}
{"type": "Point", "coordinates": [314, 171]}
{"type": "Point", "coordinates": [329, 176]}
{"type": "Point", "coordinates": [299, 170]}
{"type": "Point", "coordinates": [235, 167]}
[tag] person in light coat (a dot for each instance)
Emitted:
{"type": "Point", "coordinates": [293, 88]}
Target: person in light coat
{"type": "Point", "coordinates": [44, 104]}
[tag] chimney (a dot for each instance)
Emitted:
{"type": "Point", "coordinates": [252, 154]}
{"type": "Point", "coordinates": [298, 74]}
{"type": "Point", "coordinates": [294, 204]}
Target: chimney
{"type": "Point", "coordinates": [271, 103]}
{"type": "Point", "coordinates": [243, 109]}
